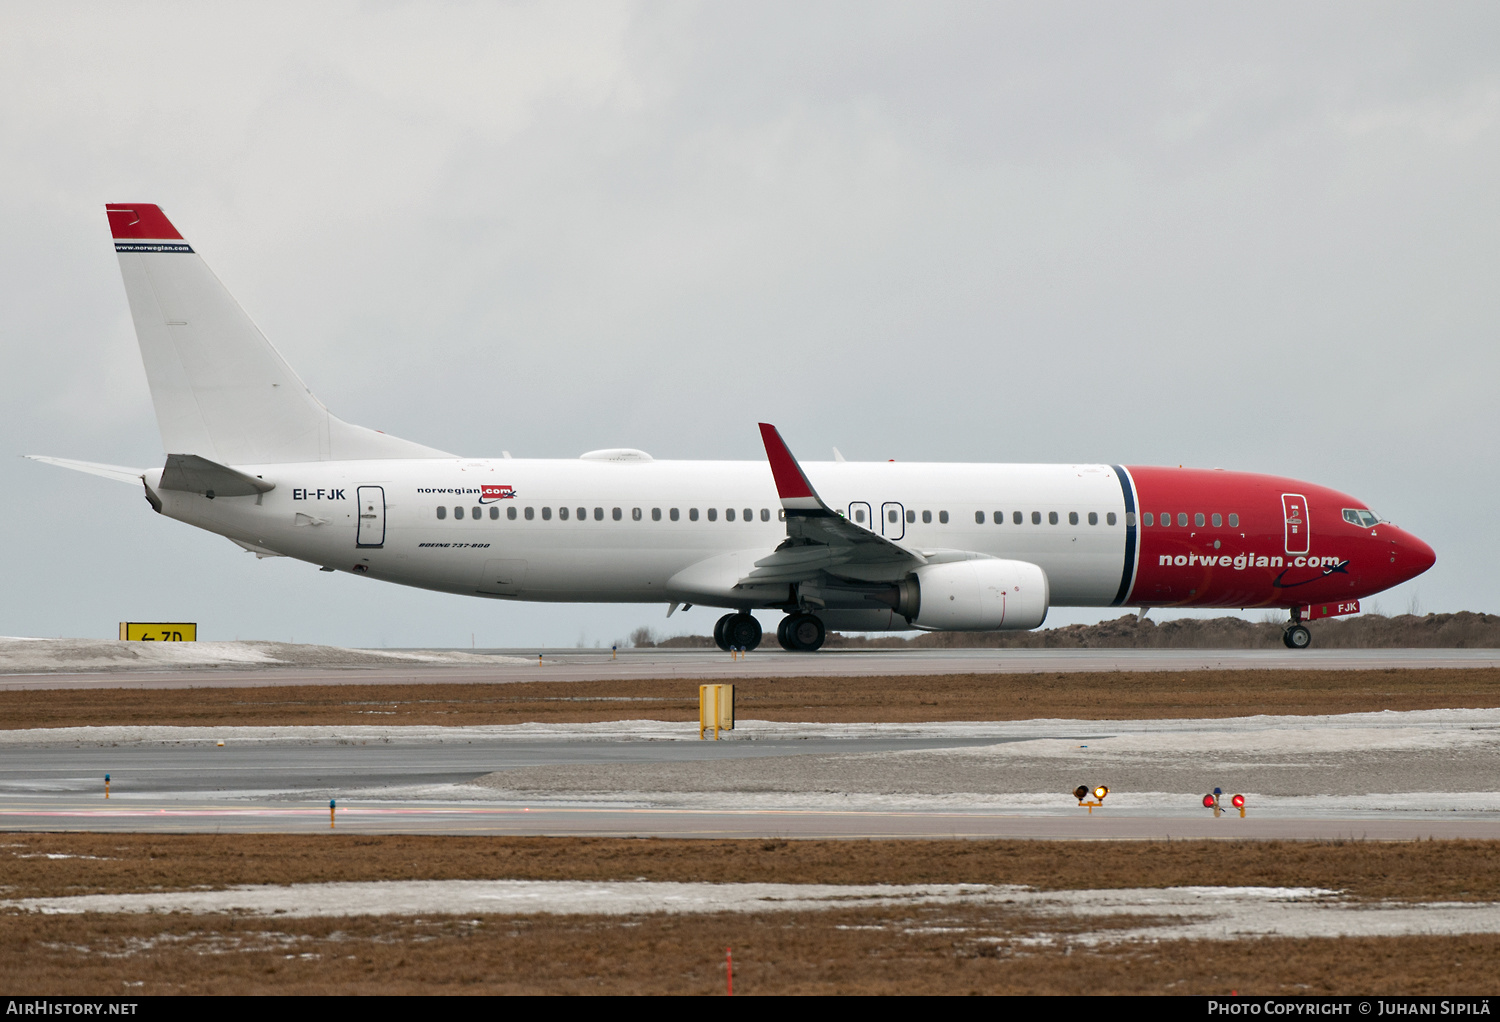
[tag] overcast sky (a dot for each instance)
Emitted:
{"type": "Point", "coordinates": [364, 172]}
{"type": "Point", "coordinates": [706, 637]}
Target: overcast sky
{"type": "Point", "coordinates": [1260, 237]}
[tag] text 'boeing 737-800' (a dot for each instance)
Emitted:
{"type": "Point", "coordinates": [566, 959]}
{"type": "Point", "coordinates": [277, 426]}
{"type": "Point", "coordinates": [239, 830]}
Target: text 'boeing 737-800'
{"type": "Point", "coordinates": [255, 457]}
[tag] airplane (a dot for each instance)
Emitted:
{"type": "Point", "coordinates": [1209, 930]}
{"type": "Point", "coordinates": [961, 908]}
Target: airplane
{"type": "Point", "coordinates": [253, 456]}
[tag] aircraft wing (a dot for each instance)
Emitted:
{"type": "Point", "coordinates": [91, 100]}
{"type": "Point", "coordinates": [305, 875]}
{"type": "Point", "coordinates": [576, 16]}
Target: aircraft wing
{"type": "Point", "coordinates": [818, 538]}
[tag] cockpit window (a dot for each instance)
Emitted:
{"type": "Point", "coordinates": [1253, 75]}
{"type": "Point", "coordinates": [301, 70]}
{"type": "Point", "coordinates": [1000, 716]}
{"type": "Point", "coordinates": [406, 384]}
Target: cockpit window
{"type": "Point", "coordinates": [1364, 519]}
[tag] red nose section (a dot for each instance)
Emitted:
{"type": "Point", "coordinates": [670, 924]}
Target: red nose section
{"type": "Point", "coordinates": [1412, 556]}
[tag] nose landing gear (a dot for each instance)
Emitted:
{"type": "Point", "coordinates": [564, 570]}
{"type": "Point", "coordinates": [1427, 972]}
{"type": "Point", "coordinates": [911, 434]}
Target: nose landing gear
{"type": "Point", "coordinates": [1296, 635]}
{"type": "Point", "coordinates": [800, 633]}
{"type": "Point", "coordinates": [737, 631]}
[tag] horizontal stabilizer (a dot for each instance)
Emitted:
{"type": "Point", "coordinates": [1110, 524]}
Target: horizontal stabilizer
{"type": "Point", "coordinates": [192, 474]}
{"type": "Point", "coordinates": [118, 473]}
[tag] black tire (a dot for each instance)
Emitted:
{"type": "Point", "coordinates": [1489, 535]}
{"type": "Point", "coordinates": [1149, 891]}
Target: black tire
{"type": "Point", "coordinates": [742, 631]}
{"type": "Point", "coordinates": [804, 632]}
{"type": "Point", "coordinates": [719, 628]}
{"type": "Point", "coordinates": [782, 637]}
{"type": "Point", "coordinates": [1297, 637]}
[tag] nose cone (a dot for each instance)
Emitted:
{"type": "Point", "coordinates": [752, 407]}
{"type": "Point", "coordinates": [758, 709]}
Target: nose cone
{"type": "Point", "coordinates": [1412, 556]}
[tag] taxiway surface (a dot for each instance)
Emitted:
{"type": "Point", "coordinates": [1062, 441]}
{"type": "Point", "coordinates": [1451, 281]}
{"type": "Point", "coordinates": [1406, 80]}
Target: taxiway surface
{"type": "Point", "coordinates": [1371, 775]}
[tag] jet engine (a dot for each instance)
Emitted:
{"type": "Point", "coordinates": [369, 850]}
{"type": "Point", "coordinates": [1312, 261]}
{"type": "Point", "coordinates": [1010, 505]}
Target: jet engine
{"type": "Point", "coordinates": [971, 596]}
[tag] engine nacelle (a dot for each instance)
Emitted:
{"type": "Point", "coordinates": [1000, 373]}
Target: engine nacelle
{"type": "Point", "coordinates": [976, 596]}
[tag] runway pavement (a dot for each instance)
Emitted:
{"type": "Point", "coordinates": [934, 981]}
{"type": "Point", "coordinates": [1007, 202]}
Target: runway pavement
{"type": "Point", "coordinates": [513, 665]}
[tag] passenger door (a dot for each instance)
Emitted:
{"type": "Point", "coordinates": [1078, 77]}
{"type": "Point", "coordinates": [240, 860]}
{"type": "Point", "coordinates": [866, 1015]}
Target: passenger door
{"type": "Point", "coordinates": [371, 516]}
{"type": "Point", "coordinates": [1298, 529]}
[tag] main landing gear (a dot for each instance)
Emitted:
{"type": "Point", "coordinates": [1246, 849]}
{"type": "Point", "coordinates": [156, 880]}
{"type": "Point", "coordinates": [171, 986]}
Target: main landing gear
{"type": "Point", "coordinates": [800, 633]}
{"type": "Point", "coordinates": [1296, 635]}
{"type": "Point", "coordinates": [737, 631]}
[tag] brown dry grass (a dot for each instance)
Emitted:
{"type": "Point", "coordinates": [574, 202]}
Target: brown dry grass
{"type": "Point", "coordinates": [1422, 870]}
{"type": "Point", "coordinates": [1119, 695]}
{"type": "Point", "coordinates": [936, 950]}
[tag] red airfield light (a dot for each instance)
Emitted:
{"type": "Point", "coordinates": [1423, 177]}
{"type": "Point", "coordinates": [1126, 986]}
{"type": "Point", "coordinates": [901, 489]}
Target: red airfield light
{"type": "Point", "coordinates": [1238, 801]}
{"type": "Point", "coordinates": [1208, 801]}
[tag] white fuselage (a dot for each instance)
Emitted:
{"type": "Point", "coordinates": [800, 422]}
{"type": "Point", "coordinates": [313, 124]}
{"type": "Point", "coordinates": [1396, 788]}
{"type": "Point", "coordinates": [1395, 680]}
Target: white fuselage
{"type": "Point", "coordinates": [620, 541]}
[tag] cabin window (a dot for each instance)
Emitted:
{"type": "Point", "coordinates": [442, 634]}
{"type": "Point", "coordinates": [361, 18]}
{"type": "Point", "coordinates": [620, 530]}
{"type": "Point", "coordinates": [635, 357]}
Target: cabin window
{"type": "Point", "coordinates": [674, 514]}
{"type": "Point", "coordinates": [729, 514]}
{"type": "Point", "coordinates": [1234, 521]}
{"type": "Point", "coordinates": [999, 517]}
{"type": "Point", "coordinates": [713, 514]}
{"type": "Point", "coordinates": [1182, 519]}
{"type": "Point", "coordinates": [635, 514]}
{"type": "Point", "coordinates": [510, 513]}
{"type": "Point", "coordinates": [546, 514]}
{"type": "Point", "coordinates": [926, 517]}
{"type": "Point", "coordinates": [943, 517]}
{"type": "Point", "coordinates": [1149, 518]}
{"type": "Point", "coordinates": [458, 512]}
{"type": "Point", "coordinates": [1036, 518]}
{"type": "Point", "coordinates": [1218, 521]}
{"type": "Point", "coordinates": [494, 513]}
{"type": "Point", "coordinates": [616, 514]}
{"type": "Point", "coordinates": [1198, 519]}
{"type": "Point", "coordinates": [1093, 518]}
{"type": "Point", "coordinates": [1016, 518]}
{"type": "Point", "coordinates": [530, 513]}
{"type": "Point", "coordinates": [583, 514]}
{"type": "Point", "coordinates": [859, 515]}
{"type": "Point", "coordinates": [765, 514]}
{"type": "Point", "coordinates": [911, 517]}
{"type": "Point", "coordinates": [749, 514]}
{"type": "Point", "coordinates": [476, 513]}
{"type": "Point", "coordinates": [442, 513]}
{"type": "Point", "coordinates": [1072, 517]}
{"type": "Point", "coordinates": [978, 517]}
{"type": "Point", "coordinates": [598, 514]}
{"type": "Point", "coordinates": [1051, 517]}
{"type": "Point", "coordinates": [562, 514]}
{"type": "Point", "coordinates": [692, 514]}
{"type": "Point", "coordinates": [656, 514]}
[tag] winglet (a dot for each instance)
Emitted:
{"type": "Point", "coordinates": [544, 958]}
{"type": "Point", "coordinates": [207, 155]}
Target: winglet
{"type": "Point", "coordinates": [796, 492]}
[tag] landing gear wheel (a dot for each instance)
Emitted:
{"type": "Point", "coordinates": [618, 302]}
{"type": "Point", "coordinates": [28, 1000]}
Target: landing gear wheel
{"type": "Point", "coordinates": [719, 627]}
{"type": "Point", "coordinates": [1297, 637]}
{"type": "Point", "coordinates": [741, 631]}
{"type": "Point", "coordinates": [800, 633]}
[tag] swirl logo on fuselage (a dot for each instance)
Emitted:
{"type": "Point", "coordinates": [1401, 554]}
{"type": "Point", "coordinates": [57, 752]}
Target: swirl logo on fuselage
{"type": "Point", "coordinates": [1341, 568]}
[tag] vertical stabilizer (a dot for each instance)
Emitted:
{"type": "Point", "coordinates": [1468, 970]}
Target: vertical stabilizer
{"type": "Point", "coordinates": [220, 390]}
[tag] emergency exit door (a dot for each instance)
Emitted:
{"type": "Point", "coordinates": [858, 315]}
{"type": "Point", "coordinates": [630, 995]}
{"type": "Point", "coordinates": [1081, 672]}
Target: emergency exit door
{"type": "Point", "coordinates": [371, 516]}
{"type": "Point", "coordinates": [892, 520]}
